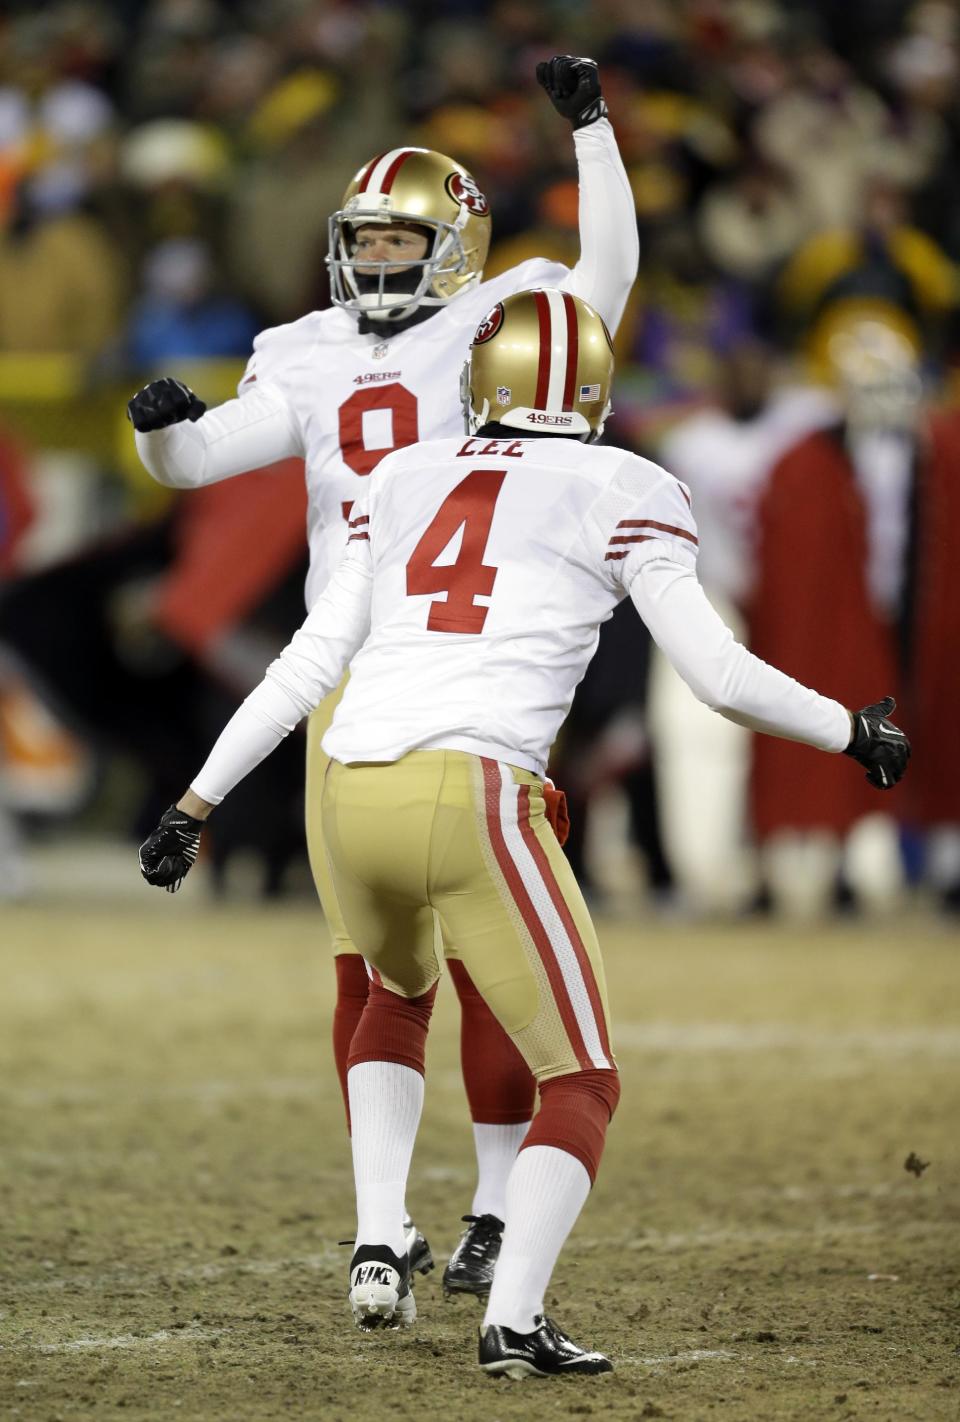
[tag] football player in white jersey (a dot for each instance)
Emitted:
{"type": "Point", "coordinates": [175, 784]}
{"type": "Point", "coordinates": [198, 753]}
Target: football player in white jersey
{"type": "Point", "coordinates": [342, 388]}
{"type": "Point", "coordinates": [468, 605]}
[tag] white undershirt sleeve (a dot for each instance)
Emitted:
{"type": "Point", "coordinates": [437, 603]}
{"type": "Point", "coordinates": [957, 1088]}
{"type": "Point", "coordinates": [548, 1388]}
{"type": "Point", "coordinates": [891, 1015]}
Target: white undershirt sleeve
{"type": "Point", "coordinates": [720, 671]}
{"type": "Point", "coordinates": [609, 246]}
{"type": "Point", "coordinates": [307, 670]}
{"type": "Point", "coordinates": [232, 438]}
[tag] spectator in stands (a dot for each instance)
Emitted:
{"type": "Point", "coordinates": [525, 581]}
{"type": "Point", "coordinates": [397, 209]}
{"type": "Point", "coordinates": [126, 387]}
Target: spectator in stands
{"type": "Point", "coordinates": [859, 539]}
{"type": "Point", "coordinates": [181, 313]}
{"type": "Point", "coordinates": [724, 453]}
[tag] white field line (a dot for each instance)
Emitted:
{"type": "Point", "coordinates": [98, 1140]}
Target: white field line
{"type": "Point", "coordinates": [667, 1037]}
{"type": "Point", "coordinates": [651, 1242]}
{"type": "Point", "coordinates": [695, 1355]}
{"type": "Point", "coordinates": [206, 1090]}
{"type": "Point", "coordinates": [657, 1242]}
{"type": "Point", "coordinates": [126, 1340]}
{"type": "Point", "coordinates": [775, 1037]}
{"type": "Point", "coordinates": [128, 1278]}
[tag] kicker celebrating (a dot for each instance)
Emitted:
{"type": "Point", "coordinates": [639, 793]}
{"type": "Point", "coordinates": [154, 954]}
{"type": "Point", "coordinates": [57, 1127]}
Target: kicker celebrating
{"type": "Point", "coordinates": [342, 388]}
{"type": "Point", "coordinates": [468, 606]}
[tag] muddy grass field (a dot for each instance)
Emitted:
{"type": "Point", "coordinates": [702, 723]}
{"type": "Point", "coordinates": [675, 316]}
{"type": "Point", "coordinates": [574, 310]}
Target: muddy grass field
{"type": "Point", "coordinates": [175, 1178]}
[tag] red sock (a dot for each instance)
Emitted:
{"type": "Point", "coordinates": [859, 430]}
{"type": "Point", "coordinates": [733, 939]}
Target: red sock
{"type": "Point", "coordinates": [574, 1114]}
{"type": "Point", "coordinates": [500, 1088]}
{"type": "Point", "coordinates": [393, 1028]}
{"type": "Point", "coordinates": [352, 987]}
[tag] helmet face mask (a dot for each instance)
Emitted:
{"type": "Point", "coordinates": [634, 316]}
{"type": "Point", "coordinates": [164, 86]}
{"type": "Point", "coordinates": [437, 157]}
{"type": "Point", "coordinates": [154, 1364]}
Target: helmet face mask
{"type": "Point", "coordinates": [387, 299]}
{"type": "Point", "coordinates": [540, 363]}
{"type": "Point", "coordinates": [409, 187]}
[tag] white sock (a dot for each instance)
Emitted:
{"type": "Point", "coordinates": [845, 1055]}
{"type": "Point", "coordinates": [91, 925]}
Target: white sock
{"type": "Point", "coordinates": [497, 1148]}
{"type": "Point", "coordinates": [545, 1194]}
{"type": "Point", "coordinates": [385, 1104]}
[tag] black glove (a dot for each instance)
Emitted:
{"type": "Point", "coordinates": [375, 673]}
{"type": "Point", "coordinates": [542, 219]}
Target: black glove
{"type": "Point", "coordinates": [574, 88]}
{"type": "Point", "coordinates": [163, 402]}
{"type": "Point", "coordinates": [168, 854]}
{"type": "Point", "coordinates": [879, 745]}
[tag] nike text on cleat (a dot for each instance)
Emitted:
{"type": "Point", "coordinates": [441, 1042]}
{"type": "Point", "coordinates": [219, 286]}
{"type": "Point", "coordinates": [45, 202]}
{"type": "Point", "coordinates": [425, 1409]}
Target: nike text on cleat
{"type": "Point", "coordinates": [544, 1353]}
{"type": "Point", "coordinates": [418, 1250]}
{"type": "Point", "coordinates": [380, 1293]}
{"type": "Point", "coordinates": [471, 1266]}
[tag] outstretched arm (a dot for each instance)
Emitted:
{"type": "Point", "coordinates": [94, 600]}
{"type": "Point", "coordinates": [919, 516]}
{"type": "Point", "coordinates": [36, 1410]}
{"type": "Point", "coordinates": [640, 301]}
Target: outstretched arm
{"type": "Point", "coordinates": [721, 672]}
{"type": "Point", "coordinates": [184, 445]}
{"type": "Point", "coordinates": [745, 689]}
{"type": "Point", "coordinates": [609, 247]}
{"type": "Point", "coordinates": [652, 556]}
{"type": "Point", "coordinates": [307, 670]}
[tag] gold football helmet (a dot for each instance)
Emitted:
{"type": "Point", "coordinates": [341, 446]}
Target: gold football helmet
{"type": "Point", "coordinates": [874, 360]}
{"type": "Point", "coordinates": [542, 360]}
{"type": "Point", "coordinates": [413, 187]}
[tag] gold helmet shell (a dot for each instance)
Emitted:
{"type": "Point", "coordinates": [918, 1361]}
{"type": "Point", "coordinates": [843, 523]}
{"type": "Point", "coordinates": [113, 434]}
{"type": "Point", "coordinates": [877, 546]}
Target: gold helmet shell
{"type": "Point", "coordinates": [541, 361]}
{"type": "Point", "coordinates": [412, 186]}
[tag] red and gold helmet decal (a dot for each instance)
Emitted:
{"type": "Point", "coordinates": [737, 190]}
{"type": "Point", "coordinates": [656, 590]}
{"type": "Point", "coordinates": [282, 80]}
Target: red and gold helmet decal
{"type": "Point", "coordinates": [490, 325]}
{"type": "Point", "coordinates": [463, 189]}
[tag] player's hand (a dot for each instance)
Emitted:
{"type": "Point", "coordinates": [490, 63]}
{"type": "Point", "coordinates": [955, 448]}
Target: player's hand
{"type": "Point", "coordinates": [163, 402]}
{"type": "Point", "coordinates": [879, 745]}
{"type": "Point", "coordinates": [574, 88]}
{"type": "Point", "coordinates": [169, 853]}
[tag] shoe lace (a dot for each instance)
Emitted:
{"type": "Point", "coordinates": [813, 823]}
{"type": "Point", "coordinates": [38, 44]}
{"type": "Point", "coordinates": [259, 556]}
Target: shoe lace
{"type": "Point", "coordinates": [484, 1231]}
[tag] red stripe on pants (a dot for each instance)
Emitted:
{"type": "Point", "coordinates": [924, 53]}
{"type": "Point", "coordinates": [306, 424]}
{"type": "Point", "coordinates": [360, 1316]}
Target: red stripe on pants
{"type": "Point", "coordinates": [536, 929]}
{"type": "Point", "coordinates": [539, 856]}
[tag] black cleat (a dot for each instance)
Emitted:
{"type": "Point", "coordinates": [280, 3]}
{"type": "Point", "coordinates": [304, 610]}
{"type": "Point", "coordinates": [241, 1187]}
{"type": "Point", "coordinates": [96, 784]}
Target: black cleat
{"type": "Point", "coordinates": [380, 1293]}
{"type": "Point", "coordinates": [471, 1266]}
{"type": "Point", "coordinates": [418, 1250]}
{"type": "Point", "coordinates": [544, 1353]}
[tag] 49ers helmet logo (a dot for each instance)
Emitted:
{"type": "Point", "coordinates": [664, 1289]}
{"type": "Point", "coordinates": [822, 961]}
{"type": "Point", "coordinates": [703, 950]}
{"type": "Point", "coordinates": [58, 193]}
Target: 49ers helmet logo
{"type": "Point", "coordinates": [490, 325]}
{"type": "Point", "coordinates": [464, 190]}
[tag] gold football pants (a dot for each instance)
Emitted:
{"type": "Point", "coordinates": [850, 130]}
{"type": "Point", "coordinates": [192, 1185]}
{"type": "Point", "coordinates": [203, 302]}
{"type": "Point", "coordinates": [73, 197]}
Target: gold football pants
{"type": "Point", "coordinates": [442, 835]}
{"type": "Point", "coordinates": [317, 762]}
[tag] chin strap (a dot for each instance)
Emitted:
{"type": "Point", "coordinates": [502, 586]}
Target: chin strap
{"type": "Point", "coordinates": [368, 326]}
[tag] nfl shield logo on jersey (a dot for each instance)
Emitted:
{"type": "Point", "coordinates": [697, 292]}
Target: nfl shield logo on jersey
{"type": "Point", "coordinates": [504, 395]}
{"type": "Point", "coordinates": [379, 352]}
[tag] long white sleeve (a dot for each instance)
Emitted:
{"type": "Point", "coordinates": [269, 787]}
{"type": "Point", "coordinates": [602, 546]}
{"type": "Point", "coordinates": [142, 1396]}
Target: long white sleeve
{"type": "Point", "coordinates": [232, 438]}
{"type": "Point", "coordinates": [609, 246]}
{"type": "Point", "coordinates": [721, 672]}
{"type": "Point", "coordinates": [307, 670]}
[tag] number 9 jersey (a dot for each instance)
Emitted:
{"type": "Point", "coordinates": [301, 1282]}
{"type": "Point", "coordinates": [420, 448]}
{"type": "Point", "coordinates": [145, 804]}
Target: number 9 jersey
{"type": "Point", "coordinates": [352, 398]}
{"type": "Point", "coordinates": [341, 397]}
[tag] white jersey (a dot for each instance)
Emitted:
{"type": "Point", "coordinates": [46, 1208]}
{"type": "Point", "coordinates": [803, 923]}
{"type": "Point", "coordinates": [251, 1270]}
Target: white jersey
{"type": "Point", "coordinates": [532, 540]}
{"type": "Point", "coordinates": [320, 390]}
{"type": "Point", "coordinates": [469, 602]}
{"type": "Point", "coordinates": [353, 398]}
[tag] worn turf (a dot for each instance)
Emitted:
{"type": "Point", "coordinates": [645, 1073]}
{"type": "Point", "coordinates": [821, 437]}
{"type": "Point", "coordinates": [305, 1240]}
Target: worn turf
{"type": "Point", "coordinates": [175, 1178]}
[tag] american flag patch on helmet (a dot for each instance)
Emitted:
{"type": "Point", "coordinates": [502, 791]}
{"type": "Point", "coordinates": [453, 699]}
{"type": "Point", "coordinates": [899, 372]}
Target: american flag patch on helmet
{"type": "Point", "coordinates": [588, 393]}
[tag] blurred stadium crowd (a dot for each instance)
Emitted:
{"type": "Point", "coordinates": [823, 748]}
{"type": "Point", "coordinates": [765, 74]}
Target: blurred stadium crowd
{"type": "Point", "coordinates": [167, 168]}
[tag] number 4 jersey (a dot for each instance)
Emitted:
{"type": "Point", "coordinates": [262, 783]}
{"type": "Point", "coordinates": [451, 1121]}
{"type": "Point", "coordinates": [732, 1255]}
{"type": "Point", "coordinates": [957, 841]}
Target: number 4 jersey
{"type": "Point", "coordinates": [469, 602]}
